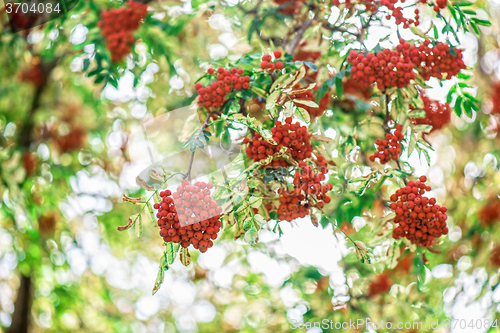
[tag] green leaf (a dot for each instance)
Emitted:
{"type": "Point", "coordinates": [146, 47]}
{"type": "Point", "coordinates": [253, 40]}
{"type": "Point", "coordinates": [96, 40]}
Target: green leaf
{"type": "Point", "coordinates": [449, 96]}
{"type": "Point", "coordinates": [467, 107]}
{"type": "Point", "coordinates": [485, 23]}
{"type": "Point", "coordinates": [412, 144]}
{"type": "Point", "coordinates": [280, 81]}
{"type": "Point", "coordinates": [86, 64]}
{"type": "Point", "coordinates": [171, 251]}
{"type": "Point", "coordinates": [302, 114]}
{"type": "Point", "coordinates": [400, 102]}
{"type": "Point", "coordinates": [311, 66]}
{"type": "Point", "coordinates": [339, 87]}
{"type": "Point", "coordinates": [131, 221]}
{"type": "Point", "coordinates": [306, 103]}
{"type": "Point", "coordinates": [252, 236]}
{"type": "Point", "coordinates": [393, 254]}
{"type": "Point", "coordinates": [417, 114]}
{"type": "Point", "coordinates": [364, 183]}
{"type": "Point", "coordinates": [142, 183]}
{"type": "Point", "coordinates": [422, 128]}
{"type": "Point", "coordinates": [470, 97]}
{"type": "Point", "coordinates": [474, 27]}
{"type": "Point", "coordinates": [100, 78]}
{"type": "Point", "coordinates": [138, 226]}
{"type": "Point", "coordinates": [427, 157]}
{"type": "Point", "coordinates": [289, 109]}
{"type": "Point", "coordinates": [185, 257]}
{"type": "Point", "coordinates": [458, 106]}
{"type": "Point", "coordinates": [468, 11]}
{"type": "Point", "coordinates": [259, 219]}
{"type": "Point", "coordinates": [418, 32]}
{"type": "Point", "coordinates": [330, 82]}
{"type": "Point", "coordinates": [271, 100]}
{"type": "Point", "coordinates": [412, 90]}
{"type": "Point", "coordinates": [161, 273]}
{"type": "Point", "coordinates": [423, 273]}
{"type": "Point", "coordinates": [258, 91]}
{"type": "Point", "coordinates": [254, 27]}
{"type": "Point", "coordinates": [362, 252]}
{"type": "Point", "coordinates": [452, 51]}
{"type": "Point", "coordinates": [247, 223]}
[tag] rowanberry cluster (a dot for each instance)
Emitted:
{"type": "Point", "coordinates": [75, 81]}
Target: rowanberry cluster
{"type": "Point", "coordinates": [440, 4]}
{"type": "Point", "coordinates": [438, 114]}
{"type": "Point", "coordinates": [213, 96]}
{"type": "Point", "coordinates": [387, 68]}
{"type": "Point", "coordinates": [296, 203]}
{"type": "Point", "coordinates": [435, 61]}
{"type": "Point", "coordinates": [292, 136]}
{"type": "Point", "coordinates": [324, 102]}
{"type": "Point", "coordinates": [370, 5]}
{"type": "Point", "coordinates": [353, 87]}
{"type": "Point", "coordinates": [47, 223]}
{"type": "Point", "coordinates": [381, 285]}
{"type": "Point", "coordinates": [21, 21]}
{"type": "Point", "coordinates": [490, 213]}
{"type": "Point", "coordinates": [390, 148]}
{"type": "Point", "coordinates": [73, 140]}
{"type": "Point", "coordinates": [267, 63]}
{"type": "Point", "coordinates": [303, 55]}
{"type": "Point", "coordinates": [420, 219]}
{"type": "Point", "coordinates": [189, 216]}
{"type": "Point", "coordinates": [495, 256]}
{"type": "Point", "coordinates": [291, 206]}
{"type": "Point", "coordinates": [495, 98]}
{"type": "Point", "coordinates": [405, 264]}
{"type": "Point", "coordinates": [397, 13]}
{"type": "Point", "coordinates": [29, 162]}
{"type": "Point", "coordinates": [118, 25]}
{"type": "Point", "coordinates": [34, 75]}
{"type": "Point", "coordinates": [289, 7]}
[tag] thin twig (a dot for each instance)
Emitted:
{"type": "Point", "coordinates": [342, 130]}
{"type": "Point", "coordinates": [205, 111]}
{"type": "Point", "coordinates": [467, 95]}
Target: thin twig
{"type": "Point", "coordinates": [399, 167]}
{"type": "Point", "coordinates": [387, 114]}
{"type": "Point", "coordinates": [255, 10]}
{"type": "Point", "coordinates": [188, 173]}
{"type": "Point", "coordinates": [298, 36]}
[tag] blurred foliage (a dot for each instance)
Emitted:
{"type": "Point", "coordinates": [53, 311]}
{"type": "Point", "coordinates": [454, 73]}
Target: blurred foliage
{"type": "Point", "coordinates": [64, 169]}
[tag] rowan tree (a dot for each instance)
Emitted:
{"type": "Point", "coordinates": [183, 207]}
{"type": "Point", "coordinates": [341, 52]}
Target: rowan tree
{"type": "Point", "coordinates": [374, 122]}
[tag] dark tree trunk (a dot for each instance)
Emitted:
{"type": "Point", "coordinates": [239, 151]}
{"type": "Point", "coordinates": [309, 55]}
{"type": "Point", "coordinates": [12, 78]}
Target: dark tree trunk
{"type": "Point", "coordinates": [22, 311]}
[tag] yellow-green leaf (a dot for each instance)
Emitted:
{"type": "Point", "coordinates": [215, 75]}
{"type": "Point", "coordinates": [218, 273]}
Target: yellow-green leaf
{"type": "Point", "coordinates": [302, 114]}
{"type": "Point", "coordinates": [185, 257]}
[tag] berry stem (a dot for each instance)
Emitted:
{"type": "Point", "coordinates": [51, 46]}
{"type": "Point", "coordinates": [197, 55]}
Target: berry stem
{"type": "Point", "coordinates": [387, 115]}
{"type": "Point", "coordinates": [188, 173]}
{"type": "Point", "coordinates": [333, 224]}
{"type": "Point", "coordinates": [399, 167]}
{"type": "Point", "coordinates": [300, 32]}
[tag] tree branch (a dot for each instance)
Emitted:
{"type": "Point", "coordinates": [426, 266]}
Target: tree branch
{"type": "Point", "coordinates": [21, 316]}
{"type": "Point", "coordinates": [298, 36]}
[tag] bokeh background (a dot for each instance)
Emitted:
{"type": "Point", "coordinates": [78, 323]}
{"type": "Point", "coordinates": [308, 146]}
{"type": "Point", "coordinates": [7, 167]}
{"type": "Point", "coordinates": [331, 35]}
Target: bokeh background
{"type": "Point", "coordinates": [64, 267]}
